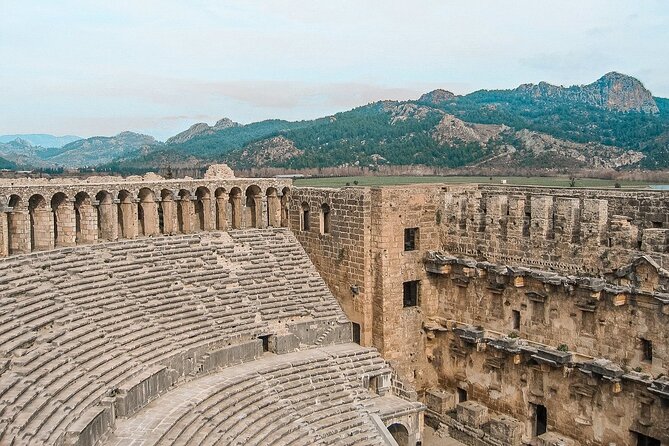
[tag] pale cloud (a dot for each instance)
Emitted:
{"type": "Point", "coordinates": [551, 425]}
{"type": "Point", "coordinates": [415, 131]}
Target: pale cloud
{"type": "Point", "coordinates": [91, 67]}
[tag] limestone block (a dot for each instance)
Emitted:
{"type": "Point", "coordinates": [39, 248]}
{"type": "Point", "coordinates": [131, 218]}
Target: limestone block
{"type": "Point", "coordinates": [440, 401]}
{"type": "Point", "coordinates": [553, 439]}
{"type": "Point", "coordinates": [472, 414]}
{"type": "Point", "coordinates": [506, 429]}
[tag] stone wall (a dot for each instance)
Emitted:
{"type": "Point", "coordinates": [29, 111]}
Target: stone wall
{"type": "Point", "coordinates": [567, 230]}
{"type": "Point", "coordinates": [575, 276]}
{"type": "Point", "coordinates": [340, 254]}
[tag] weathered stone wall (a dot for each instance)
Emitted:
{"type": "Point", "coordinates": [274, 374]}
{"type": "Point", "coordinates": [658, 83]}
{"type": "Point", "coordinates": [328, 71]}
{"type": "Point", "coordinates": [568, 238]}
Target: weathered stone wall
{"type": "Point", "coordinates": [596, 294]}
{"type": "Point", "coordinates": [568, 230]}
{"type": "Point", "coordinates": [341, 255]}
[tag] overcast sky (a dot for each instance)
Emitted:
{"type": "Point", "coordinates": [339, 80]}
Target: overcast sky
{"type": "Point", "coordinates": [100, 67]}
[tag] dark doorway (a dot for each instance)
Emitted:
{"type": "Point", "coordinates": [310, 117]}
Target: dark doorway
{"type": "Point", "coordinates": [540, 420]}
{"type": "Point", "coordinates": [462, 395]}
{"type": "Point", "coordinates": [265, 343]}
{"type": "Point", "coordinates": [356, 333]}
{"type": "Point", "coordinates": [644, 440]}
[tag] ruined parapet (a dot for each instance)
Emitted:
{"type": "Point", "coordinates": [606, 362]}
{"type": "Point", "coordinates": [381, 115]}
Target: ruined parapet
{"type": "Point", "coordinates": [220, 171]}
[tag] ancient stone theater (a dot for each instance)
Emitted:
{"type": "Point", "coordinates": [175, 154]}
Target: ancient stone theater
{"type": "Point", "coordinates": [244, 311]}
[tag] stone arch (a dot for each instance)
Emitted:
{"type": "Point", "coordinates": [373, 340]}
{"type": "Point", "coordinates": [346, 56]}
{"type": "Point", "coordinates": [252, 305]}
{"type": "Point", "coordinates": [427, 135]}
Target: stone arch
{"type": "Point", "coordinates": [305, 217]}
{"type": "Point", "coordinates": [221, 197]}
{"type": "Point", "coordinates": [236, 208]}
{"type": "Point", "coordinates": [202, 210]}
{"type": "Point", "coordinates": [85, 219]}
{"type": "Point", "coordinates": [273, 208]}
{"type": "Point", "coordinates": [167, 216]}
{"type": "Point", "coordinates": [64, 232]}
{"type": "Point", "coordinates": [127, 215]}
{"type": "Point", "coordinates": [253, 207]}
{"type": "Point", "coordinates": [184, 212]}
{"type": "Point", "coordinates": [285, 198]}
{"type": "Point", "coordinates": [41, 223]}
{"type": "Point", "coordinates": [324, 219]}
{"type": "Point", "coordinates": [147, 213]}
{"type": "Point", "coordinates": [106, 213]}
{"type": "Point", "coordinates": [18, 227]}
{"type": "Point", "coordinates": [399, 433]}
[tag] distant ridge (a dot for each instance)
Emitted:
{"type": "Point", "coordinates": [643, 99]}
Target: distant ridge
{"type": "Point", "coordinates": [41, 139]}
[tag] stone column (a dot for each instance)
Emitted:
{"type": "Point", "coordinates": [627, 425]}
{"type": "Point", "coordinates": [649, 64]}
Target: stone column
{"type": "Point", "coordinates": [4, 232]}
{"type": "Point", "coordinates": [206, 214]}
{"type": "Point", "coordinates": [87, 231]}
{"type": "Point", "coordinates": [541, 224]}
{"type": "Point", "coordinates": [65, 223]}
{"type": "Point", "coordinates": [18, 232]}
{"type": "Point", "coordinates": [221, 213]}
{"type": "Point", "coordinates": [567, 216]}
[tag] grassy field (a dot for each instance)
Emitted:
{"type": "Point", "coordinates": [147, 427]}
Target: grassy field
{"type": "Point", "coordinates": [398, 180]}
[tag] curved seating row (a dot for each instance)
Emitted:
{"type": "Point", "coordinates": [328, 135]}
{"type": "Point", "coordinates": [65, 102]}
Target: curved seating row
{"type": "Point", "coordinates": [78, 323]}
{"type": "Point", "coordinates": [313, 397]}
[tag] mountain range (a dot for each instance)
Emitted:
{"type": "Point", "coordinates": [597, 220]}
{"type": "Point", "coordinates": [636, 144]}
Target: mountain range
{"type": "Point", "coordinates": [612, 123]}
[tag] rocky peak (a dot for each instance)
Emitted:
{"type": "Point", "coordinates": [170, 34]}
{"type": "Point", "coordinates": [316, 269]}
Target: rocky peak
{"type": "Point", "coordinates": [623, 93]}
{"type": "Point", "coordinates": [202, 128]}
{"type": "Point", "coordinates": [613, 91]}
{"type": "Point", "coordinates": [225, 123]}
{"type": "Point", "coordinates": [436, 97]}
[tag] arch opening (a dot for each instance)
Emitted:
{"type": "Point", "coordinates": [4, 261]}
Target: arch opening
{"type": "Point", "coordinates": [399, 433]}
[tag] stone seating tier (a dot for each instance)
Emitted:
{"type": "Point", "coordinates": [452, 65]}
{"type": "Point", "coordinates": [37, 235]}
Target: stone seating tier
{"type": "Point", "coordinates": [313, 397]}
{"type": "Point", "coordinates": [78, 323]}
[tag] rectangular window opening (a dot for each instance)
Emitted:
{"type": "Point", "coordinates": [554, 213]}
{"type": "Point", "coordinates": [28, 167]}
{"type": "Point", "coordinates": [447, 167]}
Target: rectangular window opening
{"type": "Point", "coordinates": [410, 239]}
{"type": "Point", "coordinates": [356, 333]}
{"type": "Point", "coordinates": [647, 349]}
{"type": "Point", "coordinates": [515, 318]}
{"type": "Point", "coordinates": [411, 293]}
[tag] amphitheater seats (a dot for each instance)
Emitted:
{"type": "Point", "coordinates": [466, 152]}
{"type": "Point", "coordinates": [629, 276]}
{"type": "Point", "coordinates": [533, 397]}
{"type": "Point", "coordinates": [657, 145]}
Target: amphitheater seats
{"type": "Point", "coordinates": [79, 325]}
{"type": "Point", "coordinates": [313, 397]}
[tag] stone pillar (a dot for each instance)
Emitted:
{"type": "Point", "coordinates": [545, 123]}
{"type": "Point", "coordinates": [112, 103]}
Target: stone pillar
{"type": "Point", "coordinates": [496, 219]}
{"type": "Point", "coordinates": [273, 211]}
{"type": "Point", "coordinates": [86, 223]}
{"type": "Point", "coordinates": [516, 218]}
{"type": "Point", "coordinates": [149, 217]}
{"type": "Point", "coordinates": [65, 224]}
{"type": "Point", "coordinates": [106, 220]}
{"type": "Point", "coordinates": [183, 215]}
{"type": "Point", "coordinates": [567, 219]}
{"type": "Point", "coordinates": [541, 224]}
{"type": "Point", "coordinates": [206, 214]}
{"type": "Point", "coordinates": [236, 211]}
{"type": "Point", "coordinates": [42, 229]}
{"type": "Point", "coordinates": [18, 232]}
{"type": "Point", "coordinates": [221, 213]}
{"type": "Point", "coordinates": [169, 216]}
{"type": "Point", "coordinates": [285, 217]}
{"type": "Point", "coordinates": [594, 219]}
{"type": "Point", "coordinates": [4, 232]}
